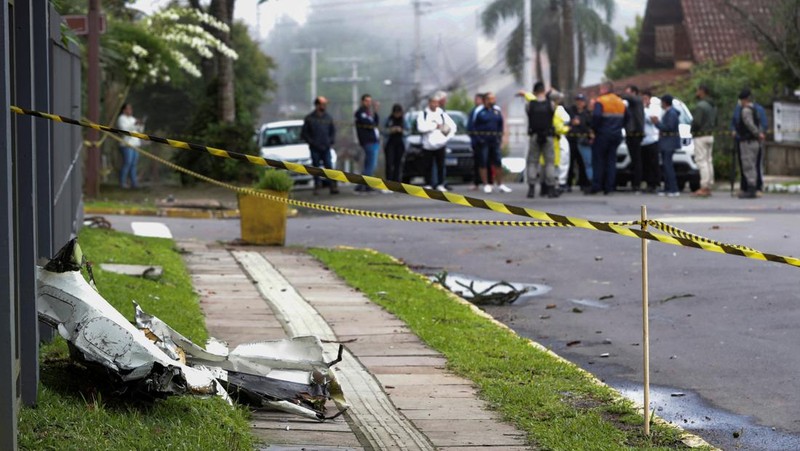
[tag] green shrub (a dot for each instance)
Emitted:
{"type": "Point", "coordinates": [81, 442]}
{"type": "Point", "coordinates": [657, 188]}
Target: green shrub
{"type": "Point", "coordinates": [275, 180]}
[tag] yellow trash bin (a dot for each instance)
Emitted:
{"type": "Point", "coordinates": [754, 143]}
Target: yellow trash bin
{"type": "Point", "coordinates": [263, 221]}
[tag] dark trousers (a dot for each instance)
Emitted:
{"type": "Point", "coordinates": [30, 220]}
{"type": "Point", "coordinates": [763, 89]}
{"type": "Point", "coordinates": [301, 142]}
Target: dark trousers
{"type": "Point", "coordinates": [759, 179]}
{"type": "Point", "coordinates": [635, 151]}
{"type": "Point", "coordinates": [320, 158]}
{"type": "Point", "coordinates": [394, 159]}
{"type": "Point", "coordinates": [434, 160]}
{"type": "Point", "coordinates": [576, 163]}
{"type": "Point", "coordinates": [604, 163]}
{"type": "Point", "coordinates": [476, 176]}
{"type": "Point", "coordinates": [651, 168]}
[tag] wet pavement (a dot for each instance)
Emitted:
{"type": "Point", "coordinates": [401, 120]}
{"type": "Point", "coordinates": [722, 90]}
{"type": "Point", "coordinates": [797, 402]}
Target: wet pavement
{"type": "Point", "coordinates": [722, 327]}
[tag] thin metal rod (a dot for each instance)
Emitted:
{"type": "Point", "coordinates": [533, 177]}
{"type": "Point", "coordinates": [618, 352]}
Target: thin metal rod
{"type": "Point", "coordinates": [645, 327]}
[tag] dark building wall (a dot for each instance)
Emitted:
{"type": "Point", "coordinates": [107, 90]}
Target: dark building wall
{"type": "Point", "coordinates": [659, 16]}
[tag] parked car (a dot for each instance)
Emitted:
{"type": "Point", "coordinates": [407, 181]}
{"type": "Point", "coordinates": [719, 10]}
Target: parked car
{"type": "Point", "coordinates": [686, 170]}
{"type": "Point", "coordinates": [281, 141]}
{"type": "Point", "coordinates": [459, 160]}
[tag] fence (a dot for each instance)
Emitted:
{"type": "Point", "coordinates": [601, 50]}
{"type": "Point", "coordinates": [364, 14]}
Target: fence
{"type": "Point", "coordinates": [40, 196]}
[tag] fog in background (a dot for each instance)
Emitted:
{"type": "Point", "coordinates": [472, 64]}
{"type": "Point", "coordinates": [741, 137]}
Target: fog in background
{"type": "Point", "coordinates": [381, 34]}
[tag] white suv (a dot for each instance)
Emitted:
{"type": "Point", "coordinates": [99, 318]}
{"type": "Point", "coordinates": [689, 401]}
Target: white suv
{"type": "Point", "coordinates": [282, 141]}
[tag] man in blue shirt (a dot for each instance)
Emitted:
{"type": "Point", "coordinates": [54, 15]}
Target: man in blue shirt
{"type": "Point", "coordinates": [367, 124]}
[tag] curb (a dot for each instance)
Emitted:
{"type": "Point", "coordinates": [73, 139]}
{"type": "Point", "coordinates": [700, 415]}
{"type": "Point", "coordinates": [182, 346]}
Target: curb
{"type": "Point", "coordinates": [190, 213]}
{"type": "Point", "coordinates": [688, 439]}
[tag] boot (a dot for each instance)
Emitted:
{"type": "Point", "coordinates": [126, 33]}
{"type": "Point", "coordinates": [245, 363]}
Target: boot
{"type": "Point", "coordinates": [749, 194]}
{"type": "Point", "coordinates": [531, 191]}
{"type": "Point", "coordinates": [334, 187]}
{"type": "Point", "coordinates": [553, 192]}
{"type": "Point", "coordinates": [543, 189]}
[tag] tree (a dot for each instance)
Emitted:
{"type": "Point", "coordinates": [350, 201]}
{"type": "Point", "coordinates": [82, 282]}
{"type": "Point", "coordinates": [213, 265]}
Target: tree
{"type": "Point", "coordinates": [550, 24]}
{"type": "Point", "coordinates": [624, 62]}
{"type": "Point", "coordinates": [779, 35]}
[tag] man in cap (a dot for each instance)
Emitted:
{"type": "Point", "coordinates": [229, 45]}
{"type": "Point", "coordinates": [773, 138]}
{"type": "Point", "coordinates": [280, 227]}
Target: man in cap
{"type": "Point", "coordinates": [750, 138]}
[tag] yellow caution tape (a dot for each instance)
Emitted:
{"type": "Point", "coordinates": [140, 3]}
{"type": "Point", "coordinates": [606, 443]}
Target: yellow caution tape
{"type": "Point", "coordinates": [681, 239]}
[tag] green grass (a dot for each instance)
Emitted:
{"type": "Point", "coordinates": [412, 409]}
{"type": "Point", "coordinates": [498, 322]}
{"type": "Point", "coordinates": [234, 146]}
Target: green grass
{"type": "Point", "coordinates": [558, 406]}
{"type": "Point", "coordinates": [79, 408]}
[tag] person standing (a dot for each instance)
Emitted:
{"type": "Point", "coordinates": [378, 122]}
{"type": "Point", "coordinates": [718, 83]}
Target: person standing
{"type": "Point", "coordinates": [608, 118]}
{"type": "Point", "coordinates": [437, 128]}
{"type": "Point", "coordinates": [650, 158]}
{"type": "Point", "coordinates": [763, 123]}
{"type": "Point", "coordinates": [130, 157]}
{"type": "Point", "coordinates": [560, 144]}
{"type": "Point", "coordinates": [367, 130]}
{"type": "Point", "coordinates": [319, 133]}
{"type": "Point", "coordinates": [668, 143]}
{"type": "Point", "coordinates": [750, 138]}
{"type": "Point", "coordinates": [541, 137]}
{"type": "Point", "coordinates": [703, 123]}
{"type": "Point", "coordinates": [489, 127]}
{"type": "Point", "coordinates": [473, 137]}
{"type": "Point", "coordinates": [634, 134]}
{"type": "Point", "coordinates": [580, 150]}
{"type": "Point", "coordinates": [395, 146]}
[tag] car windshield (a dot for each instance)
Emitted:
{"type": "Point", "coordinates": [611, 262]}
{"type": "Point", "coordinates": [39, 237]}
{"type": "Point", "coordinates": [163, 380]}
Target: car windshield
{"type": "Point", "coordinates": [281, 136]}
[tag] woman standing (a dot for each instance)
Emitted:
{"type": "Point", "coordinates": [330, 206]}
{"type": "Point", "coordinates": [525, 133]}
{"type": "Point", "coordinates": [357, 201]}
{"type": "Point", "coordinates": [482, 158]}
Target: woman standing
{"type": "Point", "coordinates": [395, 147]}
{"type": "Point", "coordinates": [130, 157]}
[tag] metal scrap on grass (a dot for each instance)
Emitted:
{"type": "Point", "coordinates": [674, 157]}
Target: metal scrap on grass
{"type": "Point", "coordinates": [152, 358]}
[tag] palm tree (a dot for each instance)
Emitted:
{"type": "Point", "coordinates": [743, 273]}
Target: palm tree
{"type": "Point", "coordinates": [548, 19]}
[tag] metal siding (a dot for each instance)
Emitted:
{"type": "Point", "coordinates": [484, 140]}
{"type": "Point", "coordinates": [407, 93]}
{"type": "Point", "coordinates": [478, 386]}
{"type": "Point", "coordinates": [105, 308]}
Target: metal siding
{"type": "Point", "coordinates": [9, 363]}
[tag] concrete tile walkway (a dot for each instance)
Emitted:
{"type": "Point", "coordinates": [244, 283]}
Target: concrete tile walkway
{"type": "Point", "coordinates": [401, 395]}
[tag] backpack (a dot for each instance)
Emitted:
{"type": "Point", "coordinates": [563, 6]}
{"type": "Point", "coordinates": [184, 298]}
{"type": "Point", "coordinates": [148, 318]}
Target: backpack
{"type": "Point", "coordinates": [540, 118]}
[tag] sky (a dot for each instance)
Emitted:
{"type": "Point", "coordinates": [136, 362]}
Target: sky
{"type": "Point", "coordinates": [262, 18]}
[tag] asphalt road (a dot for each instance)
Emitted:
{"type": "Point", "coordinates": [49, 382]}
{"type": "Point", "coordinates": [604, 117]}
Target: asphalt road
{"type": "Point", "coordinates": [723, 328]}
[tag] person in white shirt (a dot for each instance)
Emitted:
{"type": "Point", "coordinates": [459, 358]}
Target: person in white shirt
{"type": "Point", "coordinates": [437, 128]}
{"type": "Point", "coordinates": [651, 168]}
{"type": "Point", "coordinates": [130, 157]}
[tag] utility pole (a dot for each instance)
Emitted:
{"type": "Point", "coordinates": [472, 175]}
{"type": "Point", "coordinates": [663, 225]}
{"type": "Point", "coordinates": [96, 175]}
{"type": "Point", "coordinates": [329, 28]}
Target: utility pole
{"type": "Point", "coordinates": [92, 182]}
{"type": "Point", "coordinates": [417, 89]}
{"type": "Point", "coordinates": [313, 51]}
{"type": "Point", "coordinates": [527, 70]}
{"type": "Point", "coordinates": [354, 79]}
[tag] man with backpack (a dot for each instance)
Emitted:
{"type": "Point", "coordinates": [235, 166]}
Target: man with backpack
{"type": "Point", "coordinates": [541, 132]}
{"type": "Point", "coordinates": [748, 128]}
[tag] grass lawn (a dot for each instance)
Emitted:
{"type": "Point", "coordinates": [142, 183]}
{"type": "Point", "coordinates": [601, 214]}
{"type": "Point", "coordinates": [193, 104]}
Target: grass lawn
{"type": "Point", "coordinates": [78, 409]}
{"type": "Point", "coordinates": [558, 406]}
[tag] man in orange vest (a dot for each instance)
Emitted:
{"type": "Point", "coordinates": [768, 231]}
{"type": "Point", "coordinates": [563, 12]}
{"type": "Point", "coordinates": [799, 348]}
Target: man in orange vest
{"type": "Point", "coordinates": [608, 119]}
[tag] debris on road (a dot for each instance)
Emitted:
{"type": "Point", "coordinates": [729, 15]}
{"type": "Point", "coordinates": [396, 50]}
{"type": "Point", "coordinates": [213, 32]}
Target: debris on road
{"type": "Point", "coordinates": [677, 296]}
{"type": "Point", "coordinates": [145, 271]}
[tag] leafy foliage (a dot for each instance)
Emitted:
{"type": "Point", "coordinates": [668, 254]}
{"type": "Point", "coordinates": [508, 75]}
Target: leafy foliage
{"type": "Point", "coordinates": [275, 180]}
{"type": "Point", "coordinates": [623, 64]}
{"type": "Point", "coordinates": [460, 100]}
{"type": "Point", "coordinates": [764, 79]}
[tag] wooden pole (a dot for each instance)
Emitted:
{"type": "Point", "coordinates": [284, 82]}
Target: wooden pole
{"type": "Point", "coordinates": [645, 327]}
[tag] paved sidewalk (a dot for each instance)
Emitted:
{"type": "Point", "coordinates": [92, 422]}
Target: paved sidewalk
{"type": "Point", "coordinates": [400, 393]}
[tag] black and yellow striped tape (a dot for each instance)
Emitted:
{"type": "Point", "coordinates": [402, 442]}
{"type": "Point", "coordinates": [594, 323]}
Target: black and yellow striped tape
{"type": "Point", "coordinates": [686, 241]}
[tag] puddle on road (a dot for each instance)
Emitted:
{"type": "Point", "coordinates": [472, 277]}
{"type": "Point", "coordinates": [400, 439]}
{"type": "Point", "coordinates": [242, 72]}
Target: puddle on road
{"type": "Point", "coordinates": [457, 283]}
{"type": "Point", "coordinates": [590, 303]}
{"type": "Point", "coordinates": [714, 425]}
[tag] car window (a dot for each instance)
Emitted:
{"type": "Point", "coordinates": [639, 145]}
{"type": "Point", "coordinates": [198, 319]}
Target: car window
{"type": "Point", "coordinates": [281, 136]}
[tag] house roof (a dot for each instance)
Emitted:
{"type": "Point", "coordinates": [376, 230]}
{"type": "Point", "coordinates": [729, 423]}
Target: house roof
{"type": "Point", "coordinates": [717, 33]}
{"type": "Point", "coordinates": [647, 80]}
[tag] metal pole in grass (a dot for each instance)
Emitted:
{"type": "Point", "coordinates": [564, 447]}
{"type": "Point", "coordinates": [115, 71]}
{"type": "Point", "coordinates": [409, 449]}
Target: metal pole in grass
{"type": "Point", "coordinates": [645, 327]}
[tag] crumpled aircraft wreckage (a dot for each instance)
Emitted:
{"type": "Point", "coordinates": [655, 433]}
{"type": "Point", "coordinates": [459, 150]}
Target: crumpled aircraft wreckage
{"type": "Point", "coordinates": [290, 375]}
